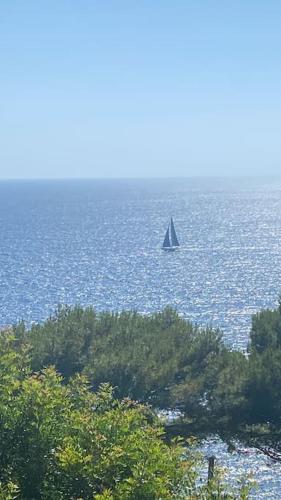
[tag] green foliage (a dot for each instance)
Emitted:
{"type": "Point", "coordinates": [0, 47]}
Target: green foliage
{"type": "Point", "coordinates": [218, 489]}
{"type": "Point", "coordinates": [263, 381]}
{"type": "Point", "coordinates": [247, 389]}
{"type": "Point", "coordinates": [227, 400]}
{"type": "Point", "coordinates": [62, 441]}
{"type": "Point", "coordinates": [165, 361]}
{"type": "Point", "coordinates": [8, 491]}
{"type": "Point", "coordinates": [63, 340]}
{"type": "Point", "coordinates": [266, 331]}
{"type": "Point", "coordinates": [161, 359]}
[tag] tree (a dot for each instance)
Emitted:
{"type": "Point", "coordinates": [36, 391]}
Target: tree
{"type": "Point", "coordinates": [62, 441]}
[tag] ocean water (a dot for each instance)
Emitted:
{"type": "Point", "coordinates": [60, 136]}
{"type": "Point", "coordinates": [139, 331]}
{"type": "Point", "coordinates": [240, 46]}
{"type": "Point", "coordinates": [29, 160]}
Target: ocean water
{"type": "Point", "coordinates": [99, 242]}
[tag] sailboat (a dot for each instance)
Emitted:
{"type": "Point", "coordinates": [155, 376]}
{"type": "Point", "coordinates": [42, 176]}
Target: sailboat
{"type": "Point", "coordinates": [171, 241]}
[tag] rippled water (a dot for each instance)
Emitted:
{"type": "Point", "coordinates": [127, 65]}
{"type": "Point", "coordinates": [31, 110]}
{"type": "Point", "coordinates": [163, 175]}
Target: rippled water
{"type": "Point", "coordinates": [99, 242]}
{"type": "Point", "coordinates": [260, 471]}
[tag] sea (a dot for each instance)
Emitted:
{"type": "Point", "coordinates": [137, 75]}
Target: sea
{"type": "Point", "coordinates": [98, 242]}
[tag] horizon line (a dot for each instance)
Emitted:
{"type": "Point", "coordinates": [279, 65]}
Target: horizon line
{"type": "Point", "coordinates": [87, 178]}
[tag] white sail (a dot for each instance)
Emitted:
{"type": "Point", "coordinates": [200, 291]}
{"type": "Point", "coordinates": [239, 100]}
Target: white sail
{"type": "Point", "coordinates": [174, 238]}
{"type": "Point", "coordinates": [166, 242]}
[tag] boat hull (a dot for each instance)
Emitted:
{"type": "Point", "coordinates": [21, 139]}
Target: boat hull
{"type": "Point", "coordinates": [169, 249]}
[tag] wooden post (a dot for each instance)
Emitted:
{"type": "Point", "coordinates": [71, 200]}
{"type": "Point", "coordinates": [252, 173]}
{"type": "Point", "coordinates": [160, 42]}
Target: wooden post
{"type": "Point", "coordinates": [211, 461]}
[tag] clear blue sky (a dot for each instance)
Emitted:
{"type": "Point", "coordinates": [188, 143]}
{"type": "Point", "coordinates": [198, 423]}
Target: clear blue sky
{"type": "Point", "coordinates": [119, 88]}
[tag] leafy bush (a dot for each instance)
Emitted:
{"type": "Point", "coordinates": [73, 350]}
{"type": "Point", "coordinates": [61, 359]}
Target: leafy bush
{"type": "Point", "coordinates": [62, 441]}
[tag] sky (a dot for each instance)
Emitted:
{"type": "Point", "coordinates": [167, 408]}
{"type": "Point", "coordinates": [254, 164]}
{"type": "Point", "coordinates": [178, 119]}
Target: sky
{"type": "Point", "coordinates": [139, 88]}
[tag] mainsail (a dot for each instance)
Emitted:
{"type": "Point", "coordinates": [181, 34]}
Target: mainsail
{"type": "Point", "coordinates": [174, 239]}
{"type": "Point", "coordinates": [166, 243]}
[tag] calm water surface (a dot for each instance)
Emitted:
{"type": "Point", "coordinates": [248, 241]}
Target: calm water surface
{"type": "Point", "coordinates": [99, 242]}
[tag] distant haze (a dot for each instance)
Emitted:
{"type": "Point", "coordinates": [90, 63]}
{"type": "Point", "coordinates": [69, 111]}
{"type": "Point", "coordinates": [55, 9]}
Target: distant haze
{"type": "Point", "coordinates": [140, 89]}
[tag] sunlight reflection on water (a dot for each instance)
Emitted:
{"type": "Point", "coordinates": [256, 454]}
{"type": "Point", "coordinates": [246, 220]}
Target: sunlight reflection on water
{"type": "Point", "coordinates": [99, 242]}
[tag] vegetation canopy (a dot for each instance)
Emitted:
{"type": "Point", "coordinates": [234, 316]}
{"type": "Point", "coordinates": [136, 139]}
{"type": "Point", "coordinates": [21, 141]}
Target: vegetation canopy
{"type": "Point", "coordinates": [62, 441]}
{"type": "Point", "coordinates": [65, 436]}
{"type": "Point", "coordinates": [164, 360]}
